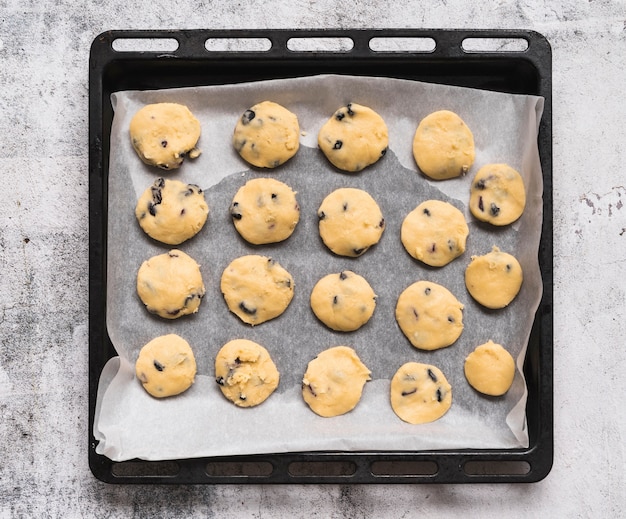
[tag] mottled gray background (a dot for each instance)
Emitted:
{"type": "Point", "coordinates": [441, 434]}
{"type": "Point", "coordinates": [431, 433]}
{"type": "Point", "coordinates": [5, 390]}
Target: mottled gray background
{"type": "Point", "coordinates": [44, 50]}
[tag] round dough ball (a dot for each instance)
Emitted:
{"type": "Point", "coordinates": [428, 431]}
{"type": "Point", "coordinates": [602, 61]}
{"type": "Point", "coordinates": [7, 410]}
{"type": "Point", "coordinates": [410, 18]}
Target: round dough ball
{"type": "Point", "coordinates": [443, 146]}
{"type": "Point", "coordinates": [354, 137]}
{"type": "Point", "coordinates": [497, 194]}
{"type": "Point", "coordinates": [267, 135]}
{"type": "Point", "coordinates": [435, 233]}
{"type": "Point", "coordinates": [265, 210]}
{"type": "Point", "coordinates": [490, 369]}
{"type": "Point", "coordinates": [494, 279]}
{"type": "Point", "coordinates": [166, 366]}
{"type": "Point", "coordinates": [245, 373]}
{"type": "Point", "coordinates": [344, 302]}
{"type": "Point", "coordinates": [171, 211]}
{"type": "Point", "coordinates": [170, 284]}
{"type": "Point", "coordinates": [256, 288]}
{"type": "Point", "coordinates": [429, 315]}
{"type": "Point", "coordinates": [420, 393]}
{"type": "Point", "coordinates": [350, 222]}
{"type": "Point", "coordinates": [163, 134]}
{"type": "Point", "coordinates": [334, 381]}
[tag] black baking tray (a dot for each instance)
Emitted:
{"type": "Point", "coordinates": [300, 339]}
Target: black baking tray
{"type": "Point", "coordinates": [511, 61]}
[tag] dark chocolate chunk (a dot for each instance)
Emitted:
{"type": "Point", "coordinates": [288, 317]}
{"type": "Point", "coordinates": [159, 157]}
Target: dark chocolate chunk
{"type": "Point", "coordinates": [480, 184]}
{"type": "Point", "coordinates": [431, 375]}
{"type": "Point", "coordinates": [351, 112]}
{"type": "Point", "coordinates": [411, 392]}
{"type": "Point", "coordinates": [220, 380]}
{"type": "Point", "coordinates": [494, 209]}
{"type": "Point", "coordinates": [343, 275]}
{"type": "Point", "coordinates": [339, 115]}
{"type": "Point", "coordinates": [247, 116]}
{"type": "Point", "coordinates": [427, 290]}
{"type": "Point", "coordinates": [439, 395]}
{"type": "Point", "coordinates": [245, 309]}
{"type": "Point", "coordinates": [426, 211]}
{"type": "Point", "coordinates": [480, 203]}
{"type": "Point", "coordinates": [335, 300]}
{"type": "Point", "coordinates": [321, 215]}
{"type": "Point", "coordinates": [164, 143]}
{"type": "Point", "coordinates": [360, 251]}
{"type": "Point", "coordinates": [158, 366]}
{"type": "Point", "coordinates": [338, 144]}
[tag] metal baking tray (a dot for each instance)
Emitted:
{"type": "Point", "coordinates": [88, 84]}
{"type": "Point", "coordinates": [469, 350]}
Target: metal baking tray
{"type": "Point", "coordinates": [511, 61]}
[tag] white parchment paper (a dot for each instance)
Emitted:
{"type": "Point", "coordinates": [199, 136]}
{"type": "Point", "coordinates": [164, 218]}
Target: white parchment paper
{"type": "Point", "coordinates": [201, 422]}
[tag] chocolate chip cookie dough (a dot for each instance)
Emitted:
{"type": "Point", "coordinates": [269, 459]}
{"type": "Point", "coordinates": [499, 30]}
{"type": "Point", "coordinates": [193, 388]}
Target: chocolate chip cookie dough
{"type": "Point", "coordinates": [265, 210]}
{"type": "Point", "coordinates": [420, 393]}
{"type": "Point", "coordinates": [171, 211]}
{"type": "Point", "coordinates": [163, 134]}
{"type": "Point", "coordinates": [256, 288]}
{"type": "Point", "coordinates": [267, 135]}
{"type": "Point", "coordinates": [443, 146]}
{"type": "Point", "coordinates": [429, 315]}
{"type": "Point", "coordinates": [166, 366]}
{"type": "Point", "coordinates": [245, 373]}
{"type": "Point", "coordinates": [354, 137]}
{"type": "Point", "coordinates": [497, 194]}
{"type": "Point", "coordinates": [435, 232]}
{"type": "Point", "coordinates": [490, 369]}
{"type": "Point", "coordinates": [334, 381]}
{"type": "Point", "coordinates": [350, 222]}
{"type": "Point", "coordinates": [170, 284]}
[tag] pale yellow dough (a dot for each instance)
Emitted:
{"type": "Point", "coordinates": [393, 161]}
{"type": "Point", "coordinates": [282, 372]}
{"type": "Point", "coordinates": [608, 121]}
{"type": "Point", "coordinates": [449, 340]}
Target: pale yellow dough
{"type": "Point", "coordinates": [435, 232]}
{"type": "Point", "coordinates": [443, 145]}
{"type": "Point", "coordinates": [334, 381]}
{"type": "Point", "coordinates": [245, 372]}
{"type": "Point", "coordinates": [354, 137]}
{"type": "Point", "coordinates": [171, 211]}
{"type": "Point", "coordinates": [420, 393]}
{"type": "Point", "coordinates": [163, 134]}
{"type": "Point", "coordinates": [265, 210]}
{"type": "Point", "coordinates": [490, 369]}
{"type": "Point", "coordinates": [497, 194]}
{"type": "Point", "coordinates": [256, 288]}
{"type": "Point", "coordinates": [267, 135]}
{"type": "Point", "coordinates": [343, 301]}
{"type": "Point", "coordinates": [494, 279]}
{"type": "Point", "coordinates": [166, 366]}
{"type": "Point", "coordinates": [170, 284]}
{"type": "Point", "coordinates": [429, 315]}
{"type": "Point", "coordinates": [350, 221]}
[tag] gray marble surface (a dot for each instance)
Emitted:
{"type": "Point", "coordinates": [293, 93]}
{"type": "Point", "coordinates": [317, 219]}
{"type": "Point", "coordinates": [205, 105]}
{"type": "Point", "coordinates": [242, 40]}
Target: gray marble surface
{"type": "Point", "coordinates": [44, 51]}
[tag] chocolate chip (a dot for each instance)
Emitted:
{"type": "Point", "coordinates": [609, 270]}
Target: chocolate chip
{"type": "Point", "coordinates": [360, 251]}
{"type": "Point", "coordinates": [509, 267]}
{"type": "Point", "coordinates": [321, 215]}
{"type": "Point", "coordinates": [451, 245]}
{"type": "Point", "coordinates": [152, 208]}
{"type": "Point", "coordinates": [494, 209]}
{"type": "Point", "coordinates": [338, 144]}
{"type": "Point", "coordinates": [416, 314]}
{"type": "Point", "coordinates": [274, 196]}
{"type": "Point", "coordinates": [158, 366]}
{"type": "Point", "coordinates": [450, 319]}
{"type": "Point", "coordinates": [339, 116]}
{"type": "Point", "coordinates": [310, 388]}
{"type": "Point", "coordinates": [351, 112]}
{"type": "Point", "coordinates": [335, 300]}
{"type": "Point", "coordinates": [411, 392]}
{"type": "Point", "coordinates": [383, 152]}
{"type": "Point", "coordinates": [164, 143]}
{"type": "Point", "coordinates": [426, 211]}
{"type": "Point", "coordinates": [220, 380]}
{"type": "Point", "coordinates": [439, 394]}
{"type": "Point", "coordinates": [242, 397]}
{"type": "Point", "coordinates": [343, 275]}
{"type": "Point", "coordinates": [247, 116]}
{"type": "Point", "coordinates": [345, 206]}
{"type": "Point", "coordinates": [431, 375]}
{"type": "Point", "coordinates": [480, 184]}
{"type": "Point", "coordinates": [427, 290]}
{"type": "Point", "coordinates": [246, 310]}
{"type": "Point", "coordinates": [381, 224]}
{"type": "Point", "coordinates": [480, 204]}
{"type": "Point", "coordinates": [432, 248]}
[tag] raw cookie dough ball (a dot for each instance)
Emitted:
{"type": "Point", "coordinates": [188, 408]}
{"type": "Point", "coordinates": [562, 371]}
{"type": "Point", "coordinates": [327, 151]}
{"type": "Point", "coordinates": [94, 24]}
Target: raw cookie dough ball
{"type": "Point", "coordinates": [497, 194]}
{"type": "Point", "coordinates": [170, 284]}
{"type": "Point", "coordinates": [443, 146]}
{"type": "Point", "coordinates": [166, 366]}
{"type": "Point", "coordinates": [267, 135]}
{"type": "Point", "coordinates": [435, 233]}
{"type": "Point", "coordinates": [490, 369]}
{"type": "Point", "coordinates": [354, 137]}
{"type": "Point", "coordinates": [343, 301]}
{"type": "Point", "coordinates": [245, 372]}
{"type": "Point", "coordinates": [171, 211]}
{"type": "Point", "coordinates": [333, 382]}
{"type": "Point", "coordinates": [256, 288]}
{"type": "Point", "coordinates": [429, 315]}
{"type": "Point", "coordinates": [350, 221]}
{"type": "Point", "coordinates": [264, 211]}
{"type": "Point", "coordinates": [163, 134]}
{"type": "Point", "coordinates": [494, 279]}
{"type": "Point", "coordinates": [420, 393]}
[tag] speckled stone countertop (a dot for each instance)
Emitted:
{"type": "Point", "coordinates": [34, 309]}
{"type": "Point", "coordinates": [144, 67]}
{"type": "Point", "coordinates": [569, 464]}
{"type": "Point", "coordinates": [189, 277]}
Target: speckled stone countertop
{"type": "Point", "coordinates": [44, 472]}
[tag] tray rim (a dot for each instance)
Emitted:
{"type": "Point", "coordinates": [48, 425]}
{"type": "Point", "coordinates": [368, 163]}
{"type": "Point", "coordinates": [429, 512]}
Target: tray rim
{"type": "Point", "coordinates": [450, 463]}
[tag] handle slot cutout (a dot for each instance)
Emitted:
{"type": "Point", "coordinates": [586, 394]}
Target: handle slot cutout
{"type": "Point", "coordinates": [496, 468]}
{"type": "Point", "coordinates": [494, 44]}
{"type": "Point", "coordinates": [145, 469]}
{"type": "Point", "coordinates": [404, 468]}
{"type": "Point", "coordinates": [238, 44]}
{"type": "Point", "coordinates": [322, 44]}
{"type": "Point", "coordinates": [402, 44]}
{"type": "Point", "coordinates": [145, 44]}
{"type": "Point", "coordinates": [239, 469]}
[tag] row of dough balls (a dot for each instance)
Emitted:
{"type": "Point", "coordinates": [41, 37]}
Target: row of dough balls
{"type": "Point", "coordinates": [332, 384]}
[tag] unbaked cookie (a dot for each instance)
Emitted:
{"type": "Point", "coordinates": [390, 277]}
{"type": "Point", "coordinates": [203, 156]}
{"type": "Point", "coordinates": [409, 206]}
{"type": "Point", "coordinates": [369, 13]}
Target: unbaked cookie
{"type": "Point", "coordinates": [497, 194]}
{"type": "Point", "coordinates": [494, 279]}
{"type": "Point", "coordinates": [163, 134]}
{"type": "Point", "coordinates": [265, 210]}
{"type": "Point", "coordinates": [354, 137]}
{"type": "Point", "coordinates": [350, 221]}
{"type": "Point", "coordinates": [420, 393]}
{"type": "Point", "coordinates": [334, 381]}
{"type": "Point", "coordinates": [490, 369]}
{"type": "Point", "coordinates": [267, 135]}
{"type": "Point", "coordinates": [435, 233]}
{"type": "Point", "coordinates": [166, 366]}
{"type": "Point", "coordinates": [245, 372]}
{"type": "Point", "coordinates": [443, 145]}
{"type": "Point", "coordinates": [170, 284]}
{"type": "Point", "coordinates": [171, 211]}
{"type": "Point", "coordinates": [343, 301]}
{"type": "Point", "coordinates": [256, 288]}
{"type": "Point", "coordinates": [429, 315]}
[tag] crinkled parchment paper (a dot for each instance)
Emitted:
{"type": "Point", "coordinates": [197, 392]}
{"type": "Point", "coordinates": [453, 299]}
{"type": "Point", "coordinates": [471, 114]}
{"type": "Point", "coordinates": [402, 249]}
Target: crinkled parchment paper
{"type": "Point", "coordinates": [131, 424]}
